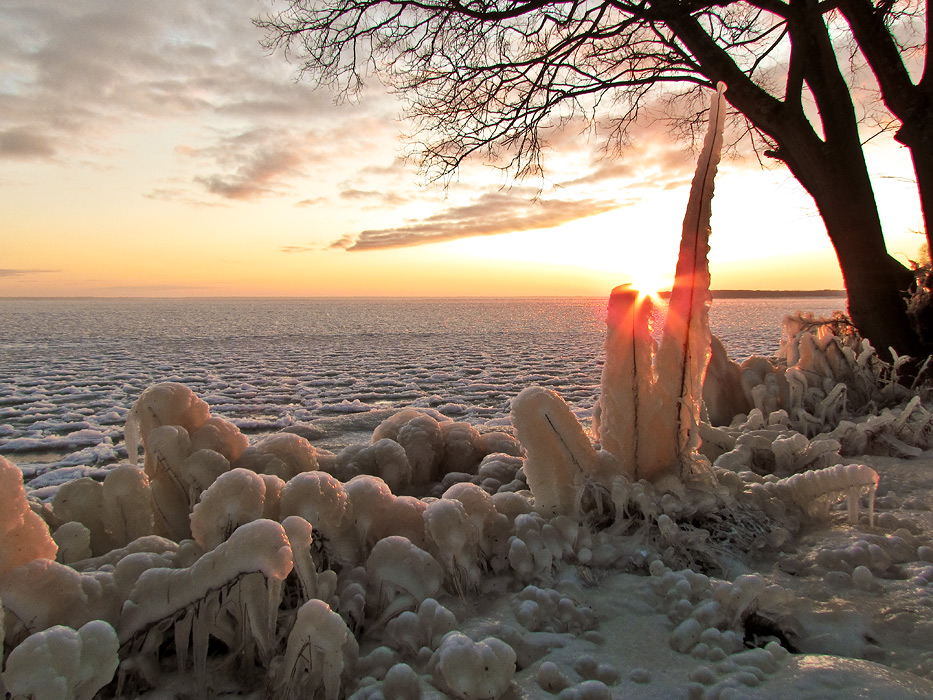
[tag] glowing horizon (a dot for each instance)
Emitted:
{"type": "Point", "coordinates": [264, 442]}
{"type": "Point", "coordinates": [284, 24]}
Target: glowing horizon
{"type": "Point", "coordinates": [241, 182]}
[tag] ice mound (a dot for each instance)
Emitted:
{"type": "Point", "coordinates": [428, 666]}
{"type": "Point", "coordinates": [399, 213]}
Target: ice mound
{"type": "Point", "coordinates": [266, 564]}
{"type": "Point", "coordinates": [23, 534]}
{"type": "Point", "coordinates": [827, 395]}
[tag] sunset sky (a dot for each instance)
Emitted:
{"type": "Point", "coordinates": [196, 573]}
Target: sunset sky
{"type": "Point", "coordinates": [155, 149]}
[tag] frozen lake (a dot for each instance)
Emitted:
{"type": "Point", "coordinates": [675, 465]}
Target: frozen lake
{"type": "Point", "coordinates": [70, 369]}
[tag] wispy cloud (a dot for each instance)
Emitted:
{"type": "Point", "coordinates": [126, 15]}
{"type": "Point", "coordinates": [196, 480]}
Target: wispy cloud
{"type": "Point", "coordinates": [491, 214]}
{"type": "Point", "coordinates": [153, 289]}
{"type": "Point", "coordinates": [300, 248]}
{"type": "Point", "coordinates": [255, 172]}
{"type": "Point", "coordinates": [311, 202]}
{"type": "Point", "coordinates": [25, 143]}
{"type": "Point", "coordinates": [375, 198]}
{"type": "Point", "coordinates": [19, 272]}
{"type": "Point", "coordinates": [75, 76]}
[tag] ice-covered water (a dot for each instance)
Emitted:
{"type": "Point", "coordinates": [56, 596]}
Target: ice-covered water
{"type": "Point", "coordinates": [70, 369]}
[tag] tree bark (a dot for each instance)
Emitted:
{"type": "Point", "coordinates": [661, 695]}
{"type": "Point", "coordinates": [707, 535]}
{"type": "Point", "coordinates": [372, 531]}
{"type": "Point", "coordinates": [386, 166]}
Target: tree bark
{"type": "Point", "coordinates": [917, 135]}
{"type": "Point", "coordinates": [876, 283]}
{"type": "Point", "coordinates": [911, 103]}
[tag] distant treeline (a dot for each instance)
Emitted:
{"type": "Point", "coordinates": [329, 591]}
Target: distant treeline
{"type": "Point", "coordinates": [771, 293]}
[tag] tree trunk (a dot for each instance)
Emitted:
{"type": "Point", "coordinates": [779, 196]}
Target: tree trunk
{"type": "Point", "coordinates": [876, 283]}
{"type": "Point", "coordinates": [911, 103]}
{"type": "Point", "coordinates": [831, 166]}
{"type": "Point", "coordinates": [917, 135]}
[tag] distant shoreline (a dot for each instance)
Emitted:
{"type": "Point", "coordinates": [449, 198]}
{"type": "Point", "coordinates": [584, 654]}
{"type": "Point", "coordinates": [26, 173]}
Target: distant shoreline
{"type": "Point", "coordinates": [717, 294]}
{"type": "Point", "coordinates": [773, 293]}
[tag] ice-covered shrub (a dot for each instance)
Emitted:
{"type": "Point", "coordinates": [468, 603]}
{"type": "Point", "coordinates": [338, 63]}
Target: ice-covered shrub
{"type": "Point", "coordinates": [220, 436]}
{"type": "Point", "coordinates": [378, 513]}
{"type": "Point", "coordinates": [61, 663]}
{"type": "Point", "coordinates": [321, 499]}
{"type": "Point", "coordinates": [490, 526]}
{"type": "Point", "coordinates": [167, 449]}
{"type": "Point", "coordinates": [558, 454]}
{"type": "Point", "coordinates": [471, 670]}
{"type": "Point", "coordinates": [235, 498]}
{"type": "Point", "coordinates": [82, 500]}
{"type": "Point", "coordinates": [231, 593]}
{"type": "Point", "coordinates": [24, 536]}
{"type": "Point", "coordinates": [463, 447]}
{"type": "Point", "coordinates": [650, 399]}
{"type": "Point", "coordinates": [186, 449]}
{"type": "Point", "coordinates": [401, 576]}
{"type": "Point", "coordinates": [723, 394]}
{"type": "Point", "coordinates": [43, 593]}
{"type": "Point", "coordinates": [420, 436]}
{"type": "Point", "coordinates": [709, 614]}
{"type": "Point", "coordinates": [169, 403]}
{"type": "Point", "coordinates": [452, 540]}
{"type": "Point", "coordinates": [316, 581]}
{"type": "Point", "coordinates": [320, 654]}
{"type": "Point", "coordinates": [777, 443]}
{"type": "Point", "coordinates": [824, 378]}
{"type": "Point", "coordinates": [74, 542]}
{"type": "Point", "coordinates": [546, 609]}
{"type": "Point", "coordinates": [282, 454]}
{"type": "Point", "coordinates": [384, 458]}
{"type": "Point", "coordinates": [127, 505]}
{"type": "Point", "coordinates": [812, 491]}
{"type": "Point", "coordinates": [411, 631]}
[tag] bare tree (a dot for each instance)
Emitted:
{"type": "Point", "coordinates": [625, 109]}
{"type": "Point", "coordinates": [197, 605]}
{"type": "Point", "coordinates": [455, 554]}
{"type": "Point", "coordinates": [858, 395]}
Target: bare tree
{"type": "Point", "coordinates": [492, 77]}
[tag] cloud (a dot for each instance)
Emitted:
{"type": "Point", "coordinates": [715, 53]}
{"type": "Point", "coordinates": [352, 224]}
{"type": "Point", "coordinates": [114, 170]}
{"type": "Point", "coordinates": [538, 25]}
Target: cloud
{"type": "Point", "coordinates": [75, 76]}
{"type": "Point", "coordinates": [152, 289]}
{"type": "Point", "coordinates": [491, 214]}
{"type": "Point", "coordinates": [258, 173]}
{"type": "Point", "coordinates": [256, 162]}
{"type": "Point", "coordinates": [381, 199]}
{"type": "Point", "coordinates": [299, 248]}
{"type": "Point", "coordinates": [22, 142]}
{"type": "Point", "coordinates": [19, 272]}
{"type": "Point", "coordinates": [604, 171]}
{"type": "Point", "coordinates": [311, 202]}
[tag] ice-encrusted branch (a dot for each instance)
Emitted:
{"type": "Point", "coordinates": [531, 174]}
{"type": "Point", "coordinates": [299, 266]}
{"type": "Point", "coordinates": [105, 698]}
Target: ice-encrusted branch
{"type": "Point", "coordinates": [684, 349]}
{"type": "Point", "coordinates": [806, 488]}
{"type": "Point", "coordinates": [649, 405]}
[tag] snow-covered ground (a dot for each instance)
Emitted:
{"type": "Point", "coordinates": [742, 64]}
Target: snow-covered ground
{"type": "Point", "coordinates": [828, 610]}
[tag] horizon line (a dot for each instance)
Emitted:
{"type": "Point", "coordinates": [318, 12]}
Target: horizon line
{"type": "Point", "coordinates": [716, 293]}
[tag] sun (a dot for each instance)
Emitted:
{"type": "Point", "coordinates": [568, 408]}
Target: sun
{"type": "Point", "coordinates": [650, 282]}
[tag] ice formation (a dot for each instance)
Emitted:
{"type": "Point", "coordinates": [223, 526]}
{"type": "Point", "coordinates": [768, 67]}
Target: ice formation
{"type": "Point", "coordinates": [827, 396]}
{"type": "Point", "coordinates": [471, 670]}
{"type": "Point", "coordinates": [320, 651]}
{"type": "Point", "coordinates": [60, 663]}
{"type": "Point", "coordinates": [337, 589]}
{"type": "Point", "coordinates": [558, 452]}
{"type": "Point", "coordinates": [807, 488]}
{"type": "Point", "coordinates": [23, 534]}
{"type": "Point", "coordinates": [649, 407]}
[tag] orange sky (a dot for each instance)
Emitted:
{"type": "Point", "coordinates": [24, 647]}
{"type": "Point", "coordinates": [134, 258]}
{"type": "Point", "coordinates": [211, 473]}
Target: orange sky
{"type": "Point", "coordinates": [151, 149]}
